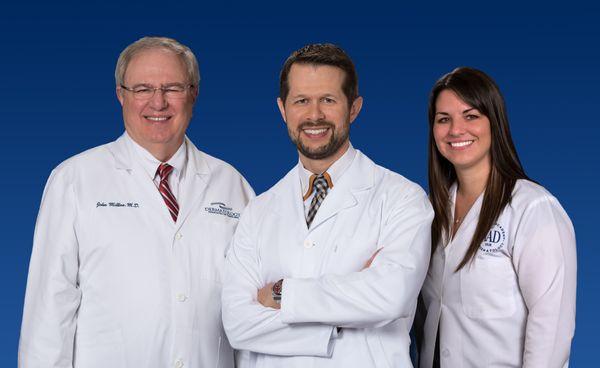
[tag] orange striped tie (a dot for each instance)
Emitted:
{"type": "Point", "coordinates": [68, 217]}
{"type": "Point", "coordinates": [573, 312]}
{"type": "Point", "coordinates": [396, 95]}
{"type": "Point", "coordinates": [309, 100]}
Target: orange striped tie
{"type": "Point", "coordinates": [164, 170]}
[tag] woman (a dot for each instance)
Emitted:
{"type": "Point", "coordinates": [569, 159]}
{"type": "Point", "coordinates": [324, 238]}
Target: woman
{"type": "Point", "coordinates": [500, 291]}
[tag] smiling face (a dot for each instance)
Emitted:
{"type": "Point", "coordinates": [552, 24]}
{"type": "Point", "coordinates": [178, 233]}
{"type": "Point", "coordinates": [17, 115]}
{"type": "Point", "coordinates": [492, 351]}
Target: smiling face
{"type": "Point", "coordinates": [317, 112]}
{"type": "Point", "coordinates": [462, 134]}
{"type": "Point", "coordinates": [159, 123]}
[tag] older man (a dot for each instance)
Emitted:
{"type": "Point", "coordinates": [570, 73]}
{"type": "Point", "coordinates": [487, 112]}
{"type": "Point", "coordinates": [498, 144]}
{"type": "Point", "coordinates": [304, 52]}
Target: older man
{"type": "Point", "coordinates": [325, 267]}
{"type": "Point", "coordinates": [131, 236]}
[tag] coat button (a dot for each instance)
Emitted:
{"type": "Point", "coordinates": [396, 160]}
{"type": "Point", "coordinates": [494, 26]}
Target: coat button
{"type": "Point", "coordinates": [308, 244]}
{"type": "Point", "coordinates": [178, 236]}
{"type": "Point", "coordinates": [445, 353]}
{"type": "Point", "coordinates": [181, 297]}
{"type": "Point", "coordinates": [178, 363]}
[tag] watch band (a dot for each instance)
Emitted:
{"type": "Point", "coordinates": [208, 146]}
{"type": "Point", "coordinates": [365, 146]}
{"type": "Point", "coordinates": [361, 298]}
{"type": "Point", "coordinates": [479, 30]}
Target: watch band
{"type": "Point", "coordinates": [276, 291]}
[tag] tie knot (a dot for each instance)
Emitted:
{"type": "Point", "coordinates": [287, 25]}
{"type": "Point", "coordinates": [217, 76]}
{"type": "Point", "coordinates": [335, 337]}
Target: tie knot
{"type": "Point", "coordinates": [324, 182]}
{"type": "Point", "coordinates": [164, 170]}
{"type": "Point", "coordinates": [320, 183]}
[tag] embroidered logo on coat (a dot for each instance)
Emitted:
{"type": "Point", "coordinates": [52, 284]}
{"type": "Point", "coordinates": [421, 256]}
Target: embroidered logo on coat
{"type": "Point", "coordinates": [219, 208]}
{"type": "Point", "coordinates": [494, 240]}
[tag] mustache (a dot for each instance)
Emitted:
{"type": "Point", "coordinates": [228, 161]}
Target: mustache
{"type": "Point", "coordinates": [318, 123]}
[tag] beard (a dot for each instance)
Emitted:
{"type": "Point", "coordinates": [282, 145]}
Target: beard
{"type": "Point", "coordinates": [336, 141]}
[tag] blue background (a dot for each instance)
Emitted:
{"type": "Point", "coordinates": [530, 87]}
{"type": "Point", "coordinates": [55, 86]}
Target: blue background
{"type": "Point", "coordinates": [57, 98]}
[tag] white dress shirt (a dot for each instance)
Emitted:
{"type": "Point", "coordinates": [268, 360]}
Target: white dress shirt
{"type": "Point", "coordinates": [335, 172]}
{"type": "Point", "coordinates": [150, 165]}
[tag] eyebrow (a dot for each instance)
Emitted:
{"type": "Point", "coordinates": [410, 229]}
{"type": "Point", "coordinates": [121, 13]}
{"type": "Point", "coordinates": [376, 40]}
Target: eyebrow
{"type": "Point", "coordinates": [302, 95]}
{"type": "Point", "coordinates": [170, 84]}
{"type": "Point", "coordinates": [141, 85]}
{"type": "Point", "coordinates": [464, 111]}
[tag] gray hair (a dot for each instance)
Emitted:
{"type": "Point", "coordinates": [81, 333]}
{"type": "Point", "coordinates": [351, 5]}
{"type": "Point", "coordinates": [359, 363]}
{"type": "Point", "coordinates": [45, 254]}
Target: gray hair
{"type": "Point", "coordinates": [148, 43]}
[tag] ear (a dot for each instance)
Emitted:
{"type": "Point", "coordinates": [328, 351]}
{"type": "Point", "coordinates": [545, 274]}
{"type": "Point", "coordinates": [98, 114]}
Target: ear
{"type": "Point", "coordinates": [281, 106]}
{"type": "Point", "coordinates": [355, 108]}
{"type": "Point", "coordinates": [120, 97]}
{"type": "Point", "coordinates": [194, 93]}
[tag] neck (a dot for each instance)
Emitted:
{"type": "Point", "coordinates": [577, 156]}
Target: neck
{"type": "Point", "coordinates": [161, 151]}
{"type": "Point", "coordinates": [320, 166]}
{"type": "Point", "coordinates": [472, 182]}
{"type": "Point", "coordinates": [163, 156]}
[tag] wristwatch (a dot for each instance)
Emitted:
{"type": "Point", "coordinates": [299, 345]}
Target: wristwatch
{"type": "Point", "coordinates": [276, 291]}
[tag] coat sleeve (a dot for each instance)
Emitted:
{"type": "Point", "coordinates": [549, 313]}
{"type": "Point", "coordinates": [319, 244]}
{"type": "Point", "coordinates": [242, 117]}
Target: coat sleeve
{"type": "Point", "coordinates": [52, 296]}
{"type": "Point", "coordinates": [249, 325]}
{"type": "Point", "coordinates": [545, 260]}
{"type": "Point", "coordinates": [385, 291]}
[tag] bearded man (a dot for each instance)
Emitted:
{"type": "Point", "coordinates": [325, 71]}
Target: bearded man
{"type": "Point", "coordinates": [325, 267]}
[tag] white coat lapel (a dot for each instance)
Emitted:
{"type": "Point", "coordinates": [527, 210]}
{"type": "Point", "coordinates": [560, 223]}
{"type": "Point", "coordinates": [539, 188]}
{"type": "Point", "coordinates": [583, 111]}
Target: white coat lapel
{"type": "Point", "coordinates": [358, 177]}
{"type": "Point", "coordinates": [151, 201]}
{"type": "Point", "coordinates": [195, 184]}
{"type": "Point", "coordinates": [121, 153]}
{"type": "Point", "coordinates": [287, 203]}
{"type": "Point", "coordinates": [469, 221]}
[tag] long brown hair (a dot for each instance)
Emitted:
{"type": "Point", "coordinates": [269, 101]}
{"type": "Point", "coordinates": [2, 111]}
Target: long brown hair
{"type": "Point", "coordinates": [478, 90]}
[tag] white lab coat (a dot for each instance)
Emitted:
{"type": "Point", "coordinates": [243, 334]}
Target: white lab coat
{"type": "Point", "coordinates": [121, 285]}
{"type": "Point", "coordinates": [514, 306]}
{"type": "Point", "coordinates": [368, 208]}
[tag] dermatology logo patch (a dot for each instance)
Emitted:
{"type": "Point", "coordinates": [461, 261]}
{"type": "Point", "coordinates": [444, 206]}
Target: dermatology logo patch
{"type": "Point", "coordinates": [219, 208]}
{"type": "Point", "coordinates": [494, 240]}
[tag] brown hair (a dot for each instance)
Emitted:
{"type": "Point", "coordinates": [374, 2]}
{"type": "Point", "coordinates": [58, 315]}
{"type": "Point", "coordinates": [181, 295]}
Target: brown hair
{"type": "Point", "coordinates": [478, 90]}
{"type": "Point", "coordinates": [321, 54]}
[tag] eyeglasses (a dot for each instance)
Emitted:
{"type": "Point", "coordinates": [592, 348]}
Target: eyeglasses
{"type": "Point", "coordinates": [171, 91]}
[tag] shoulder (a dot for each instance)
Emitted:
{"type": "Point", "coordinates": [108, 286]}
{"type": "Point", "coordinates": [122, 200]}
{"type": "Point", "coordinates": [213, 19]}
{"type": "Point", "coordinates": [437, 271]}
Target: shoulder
{"type": "Point", "coordinates": [528, 195]}
{"type": "Point", "coordinates": [390, 182]}
{"type": "Point", "coordinates": [397, 182]}
{"type": "Point", "coordinates": [220, 171]}
{"type": "Point", "coordinates": [83, 163]}
{"type": "Point", "coordinates": [533, 203]}
{"type": "Point", "coordinates": [275, 194]}
{"type": "Point", "coordinates": [394, 192]}
{"type": "Point", "coordinates": [216, 165]}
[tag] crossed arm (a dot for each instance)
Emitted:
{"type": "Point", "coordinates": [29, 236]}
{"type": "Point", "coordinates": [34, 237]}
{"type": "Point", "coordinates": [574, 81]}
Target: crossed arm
{"type": "Point", "coordinates": [311, 308]}
{"type": "Point", "coordinates": [265, 295]}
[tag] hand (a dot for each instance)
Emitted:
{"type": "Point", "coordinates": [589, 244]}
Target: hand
{"type": "Point", "coordinates": [368, 263]}
{"type": "Point", "coordinates": [265, 297]}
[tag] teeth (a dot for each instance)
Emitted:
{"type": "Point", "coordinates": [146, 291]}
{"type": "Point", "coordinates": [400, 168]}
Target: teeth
{"type": "Point", "coordinates": [461, 144]}
{"type": "Point", "coordinates": [315, 131]}
{"type": "Point", "coordinates": [156, 118]}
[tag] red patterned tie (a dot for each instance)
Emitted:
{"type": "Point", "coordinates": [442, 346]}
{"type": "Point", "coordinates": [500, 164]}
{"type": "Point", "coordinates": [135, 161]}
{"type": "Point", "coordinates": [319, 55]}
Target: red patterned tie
{"type": "Point", "coordinates": [164, 170]}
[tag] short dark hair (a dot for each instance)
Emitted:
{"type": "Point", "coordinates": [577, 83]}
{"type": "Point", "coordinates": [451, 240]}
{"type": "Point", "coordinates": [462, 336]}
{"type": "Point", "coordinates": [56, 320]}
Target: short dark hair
{"type": "Point", "coordinates": [321, 54]}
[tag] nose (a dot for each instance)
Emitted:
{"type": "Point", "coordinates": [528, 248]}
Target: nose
{"type": "Point", "coordinates": [457, 126]}
{"type": "Point", "coordinates": [315, 112]}
{"type": "Point", "coordinates": [158, 100]}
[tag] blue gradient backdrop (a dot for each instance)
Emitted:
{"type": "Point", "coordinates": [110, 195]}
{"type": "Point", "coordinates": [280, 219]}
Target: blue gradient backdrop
{"type": "Point", "coordinates": [57, 99]}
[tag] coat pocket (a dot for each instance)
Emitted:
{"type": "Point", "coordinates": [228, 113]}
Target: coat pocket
{"type": "Point", "coordinates": [488, 288]}
{"type": "Point", "coordinates": [350, 254]}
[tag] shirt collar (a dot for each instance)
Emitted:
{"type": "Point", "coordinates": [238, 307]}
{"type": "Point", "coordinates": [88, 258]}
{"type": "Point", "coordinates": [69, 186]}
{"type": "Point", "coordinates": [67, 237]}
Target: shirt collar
{"type": "Point", "coordinates": [150, 164]}
{"type": "Point", "coordinates": [335, 171]}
